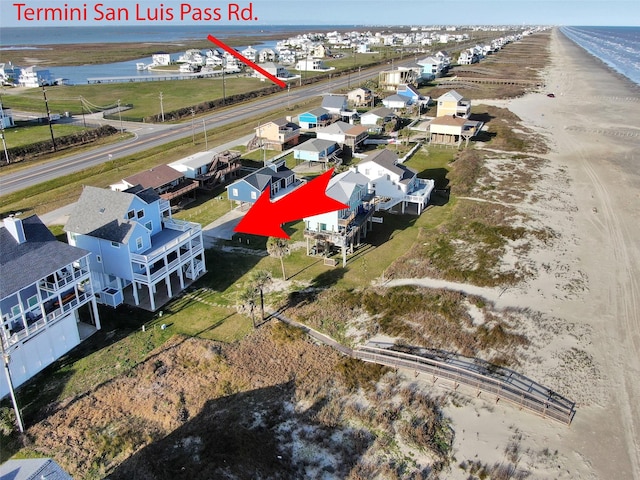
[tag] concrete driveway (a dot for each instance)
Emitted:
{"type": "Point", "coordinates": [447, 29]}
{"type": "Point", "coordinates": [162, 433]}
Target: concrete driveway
{"type": "Point", "coordinates": [223, 227]}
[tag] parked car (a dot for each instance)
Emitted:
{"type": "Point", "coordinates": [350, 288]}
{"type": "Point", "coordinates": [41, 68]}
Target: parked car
{"type": "Point", "coordinates": [551, 95]}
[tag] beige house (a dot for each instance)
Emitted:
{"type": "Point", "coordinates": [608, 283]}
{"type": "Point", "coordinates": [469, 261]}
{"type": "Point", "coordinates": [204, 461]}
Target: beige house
{"type": "Point", "coordinates": [452, 103]}
{"type": "Point", "coordinates": [360, 96]}
{"type": "Point", "coordinates": [279, 134]}
{"type": "Point", "coordinates": [452, 130]}
{"type": "Point", "coordinates": [391, 79]}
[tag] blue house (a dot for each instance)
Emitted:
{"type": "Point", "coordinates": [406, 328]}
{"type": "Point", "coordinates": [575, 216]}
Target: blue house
{"type": "Point", "coordinates": [276, 177]}
{"type": "Point", "coordinates": [316, 150]}
{"type": "Point", "coordinates": [314, 118]}
{"type": "Point", "coordinates": [139, 254]}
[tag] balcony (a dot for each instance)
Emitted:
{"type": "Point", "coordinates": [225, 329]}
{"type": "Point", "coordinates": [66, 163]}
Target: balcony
{"type": "Point", "coordinates": [58, 280]}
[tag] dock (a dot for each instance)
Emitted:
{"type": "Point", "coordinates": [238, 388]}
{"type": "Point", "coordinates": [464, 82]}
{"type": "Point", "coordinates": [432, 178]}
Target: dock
{"type": "Point", "coordinates": [154, 78]}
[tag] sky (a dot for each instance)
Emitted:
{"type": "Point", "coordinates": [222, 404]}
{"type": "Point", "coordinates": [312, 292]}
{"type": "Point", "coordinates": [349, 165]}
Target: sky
{"type": "Point", "coordinates": [23, 13]}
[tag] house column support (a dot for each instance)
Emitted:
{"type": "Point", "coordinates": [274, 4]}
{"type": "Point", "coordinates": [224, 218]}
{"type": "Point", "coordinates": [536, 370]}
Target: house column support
{"type": "Point", "coordinates": [135, 292]}
{"type": "Point", "coordinates": [307, 246]}
{"type": "Point", "coordinates": [152, 299]}
{"type": "Point", "coordinates": [167, 281]}
{"type": "Point", "coordinates": [344, 255]}
{"type": "Point", "coordinates": [94, 313]}
{"type": "Point", "coordinates": [403, 205]}
{"type": "Point", "coordinates": [181, 277]}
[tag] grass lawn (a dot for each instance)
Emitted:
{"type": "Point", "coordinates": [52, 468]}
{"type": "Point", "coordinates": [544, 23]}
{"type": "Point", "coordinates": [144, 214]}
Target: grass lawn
{"type": "Point", "coordinates": [26, 135]}
{"type": "Point", "coordinates": [145, 96]}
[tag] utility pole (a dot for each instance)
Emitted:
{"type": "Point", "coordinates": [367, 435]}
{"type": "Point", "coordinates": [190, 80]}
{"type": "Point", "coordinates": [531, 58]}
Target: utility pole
{"type": "Point", "coordinates": [46, 104]}
{"type": "Point", "coordinates": [84, 121]}
{"type": "Point", "coordinates": [120, 117]}
{"type": "Point", "coordinates": [224, 66]}
{"type": "Point", "coordinates": [161, 107]}
{"type": "Point", "coordinates": [4, 146]}
{"type": "Point", "coordinates": [7, 359]}
{"type": "Point", "coordinates": [204, 127]}
{"type": "Point", "coordinates": [193, 132]}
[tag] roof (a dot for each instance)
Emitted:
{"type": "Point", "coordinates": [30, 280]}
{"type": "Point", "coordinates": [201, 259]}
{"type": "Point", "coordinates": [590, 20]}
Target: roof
{"type": "Point", "coordinates": [338, 127]}
{"type": "Point", "coordinates": [334, 101]}
{"type": "Point", "coordinates": [33, 469]}
{"type": "Point", "coordinates": [314, 145]}
{"type": "Point", "coordinates": [341, 186]}
{"type": "Point", "coordinates": [260, 179]}
{"type": "Point", "coordinates": [429, 61]}
{"type": "Point", "coordinates": [356, 130]}
{"type": "Point", "coordinates": [389, 161]}
{"type": "Point", "coordinates": [194, 161]}
{"type": "Point", "coordinates": [317, 112]}
{"type": "Point", "coordinates": [102, 213]}
{"type": "Point", "coordinates": [396, 98]}
{"type": "Point", "coordinates": [22, 264]}
{"type": "Point", "coordinates": [451, 94]}
{"type": "Point", "coordinates": [155, 177]}
{"type": "Point", "coordinates": [280, 122]}
{"type": "Point", "coordinates": [381, 112]}
{"type": "Point", "coordinates": [449, 120]}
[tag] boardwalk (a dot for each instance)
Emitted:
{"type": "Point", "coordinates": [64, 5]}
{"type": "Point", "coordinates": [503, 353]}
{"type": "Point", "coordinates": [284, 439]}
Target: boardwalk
{"type": "Point", "coordinates": [496, 383]}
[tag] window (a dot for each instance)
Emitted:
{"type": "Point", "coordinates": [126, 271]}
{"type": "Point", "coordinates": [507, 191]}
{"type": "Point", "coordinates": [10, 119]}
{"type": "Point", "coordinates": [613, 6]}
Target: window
{"type": "Point", "coordinates": [149, 226]}
{"type": "Point", "coordinates": [115, 244]}
{"type": "Point", "coordinates": [140, 213]}
{"type": "Point", "coordinates": [32, 301]}
{"type": "Point", "coordinates": [131, 214]}
{"type": "Point", "coordinates": [254, 195]}
{"type": "Point", "coordinates": [234, 192]}
{"type": "Point", "coordinates": [98, 258]}
{"type": "Point", "coordinates": [139, 243]}
{"type": "Point", "coordinates": [15, 310]}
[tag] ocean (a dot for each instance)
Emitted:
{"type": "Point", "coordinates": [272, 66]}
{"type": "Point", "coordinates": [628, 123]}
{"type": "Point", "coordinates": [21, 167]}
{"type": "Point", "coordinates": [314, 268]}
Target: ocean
{"type": "Point", "coordinates": [618, 47]}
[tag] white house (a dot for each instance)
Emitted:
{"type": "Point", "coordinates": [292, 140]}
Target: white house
{"type": "Point", "coordinates": [274, 69]}
{"type": "Point", "coordinates": [47, 300]}
{"type": "Point", "coordinates": [334, 104]}
{"type": "Point", "coordinates": [35, 77]}
{"type": "Point", "coordinates": [396, 102]}
{"type": "Point", "coordinates": [161, 58]}
{"type": "Point", "coordinates": [312, 65]}
{"type": "Point", "coordinates": [394, 181]}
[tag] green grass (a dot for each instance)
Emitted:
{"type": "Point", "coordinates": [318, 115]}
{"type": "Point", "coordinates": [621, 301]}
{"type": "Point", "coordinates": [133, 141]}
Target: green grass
{"type": "Point", "coordinates": [26, 135]}
{"type": "Point", "coordinates": [145, 96]}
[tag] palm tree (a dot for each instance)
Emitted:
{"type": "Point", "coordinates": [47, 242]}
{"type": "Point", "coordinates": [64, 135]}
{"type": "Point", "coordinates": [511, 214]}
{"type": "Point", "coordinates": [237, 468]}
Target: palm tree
{"type": "Point", "coordinates": [247, 296]}
{"type": "Point", "coordinates": [279, 248]}
{"type": "Point", "coordinates": [259, 280]}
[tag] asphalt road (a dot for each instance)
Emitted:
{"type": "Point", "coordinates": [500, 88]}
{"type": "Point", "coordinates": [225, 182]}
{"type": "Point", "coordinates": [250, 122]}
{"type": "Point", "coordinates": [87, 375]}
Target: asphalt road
{"type": "Point", "coordinates": [151, 135]}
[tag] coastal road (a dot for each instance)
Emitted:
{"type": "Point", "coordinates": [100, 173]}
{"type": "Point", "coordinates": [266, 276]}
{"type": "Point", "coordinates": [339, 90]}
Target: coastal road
{"type": "Point", "coordinates": [147, 136]}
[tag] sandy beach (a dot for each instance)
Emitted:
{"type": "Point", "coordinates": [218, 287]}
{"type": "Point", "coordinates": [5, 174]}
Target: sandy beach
{"type": "Point", "coordinates": [586, 286]}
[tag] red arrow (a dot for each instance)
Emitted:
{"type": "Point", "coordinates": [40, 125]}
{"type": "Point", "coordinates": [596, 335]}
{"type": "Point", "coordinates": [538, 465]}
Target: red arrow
{"type": "Point", "coordinates": [266, 217]}
{"type": "Point", "coordinates": [246, 61]}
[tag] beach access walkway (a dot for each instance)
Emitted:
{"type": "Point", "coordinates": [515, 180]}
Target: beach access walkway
{"type": "Point", "coordinates": [453, 371]}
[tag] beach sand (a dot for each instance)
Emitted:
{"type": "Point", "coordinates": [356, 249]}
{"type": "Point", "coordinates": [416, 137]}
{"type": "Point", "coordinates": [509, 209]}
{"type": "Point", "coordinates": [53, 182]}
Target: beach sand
{"type": "Point", "coordinates": [588, 345]}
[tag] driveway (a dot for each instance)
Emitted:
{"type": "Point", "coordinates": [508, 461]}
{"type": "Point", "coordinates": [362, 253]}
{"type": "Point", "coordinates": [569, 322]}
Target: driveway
{"type": "Point", "coordinates": [222, 228]}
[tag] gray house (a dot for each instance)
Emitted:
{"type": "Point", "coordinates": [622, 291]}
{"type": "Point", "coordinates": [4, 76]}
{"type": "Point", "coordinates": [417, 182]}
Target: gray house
{"type": "Point", "coordinates": [276, 177]}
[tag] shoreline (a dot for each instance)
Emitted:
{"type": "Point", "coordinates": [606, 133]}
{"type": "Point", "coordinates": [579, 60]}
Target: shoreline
{"type": "Point", "coordinates": [590, 191]}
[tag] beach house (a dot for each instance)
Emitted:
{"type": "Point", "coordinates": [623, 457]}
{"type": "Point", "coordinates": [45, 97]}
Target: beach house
{"type": "Point", "coordinates": [452, 103]}
{"type": "Point", "coordinates": [275, 176]}
{"type": "Point", "coordinates": [209, 169]}
{"type": "Point", "coordinates": [318, 150]}
{"type": "Point", "coordinates": [280, 134]}
{"type": "Point", "coordinates": [393, 182]}
{"type": "Point", "coordinates": [452, 130]}
{"type": "Point", "coordinates": [314, 118]}
{"type": "Point", "coordinates": [47, 300]}
{"type": "Point", "coordinates": [344, 228]}
{"type": "Point", "coordinates": [35, 77]}
{"type": "Point", "coordinates": [169, 183]}
{"type": "Point", "coordinates": [139, 255]}
{"type": "Point", "coordinates": [349, 137]}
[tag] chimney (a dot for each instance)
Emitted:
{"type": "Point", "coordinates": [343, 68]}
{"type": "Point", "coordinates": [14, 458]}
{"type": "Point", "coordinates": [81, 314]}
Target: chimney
{"type": "Point", "coordinates": [14, 227]}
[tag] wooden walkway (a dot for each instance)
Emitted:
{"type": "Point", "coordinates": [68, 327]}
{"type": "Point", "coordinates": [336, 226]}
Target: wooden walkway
{"type": "Point", "coordinates": [492, 81]}
{"type": "Point", "coordinates": [502, 384]}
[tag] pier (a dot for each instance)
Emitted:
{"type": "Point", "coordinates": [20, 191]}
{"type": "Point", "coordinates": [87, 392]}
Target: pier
{"type": "Point", "coordinates": [155, 77]}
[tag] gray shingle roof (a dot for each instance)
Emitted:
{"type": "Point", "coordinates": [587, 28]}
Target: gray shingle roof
{"type": "Point", "coordinates": [388, 159]}
{"type": "Point", "coordinates": [341, 186]}
{"type": "Point", "coordinates": [102, 213]}
{"type": "Point", "coordinates": [263, 177]}
{"type": "Point", "coordinates": [334, 101]}
{"type": "Point", "coordinates": [33, 469]}
{"type": "Point", "coordinates": [22, 264]}
{"type": "Point", "coordinates": [314, 145]}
